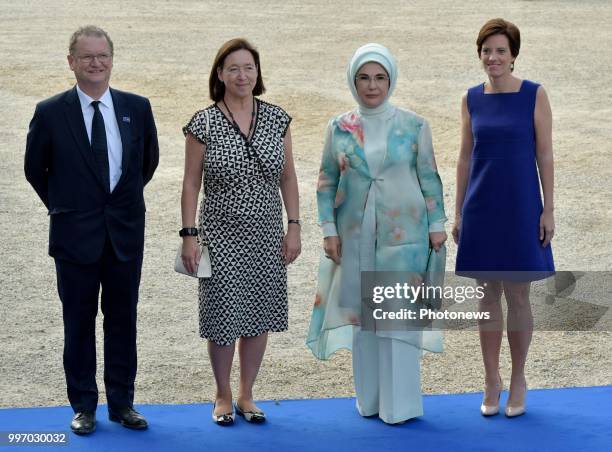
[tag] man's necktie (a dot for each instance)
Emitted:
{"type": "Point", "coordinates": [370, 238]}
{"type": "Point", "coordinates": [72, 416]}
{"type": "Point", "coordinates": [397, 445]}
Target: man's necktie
{"type": "Point", "coordinates": [98, 143]}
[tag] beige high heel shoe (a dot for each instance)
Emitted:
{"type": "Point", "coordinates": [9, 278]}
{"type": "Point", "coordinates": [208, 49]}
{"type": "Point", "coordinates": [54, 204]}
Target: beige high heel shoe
{"type": "Point", "coordinates": [514, 411]}
{"type": "Point", "coordinates": [492, 410]}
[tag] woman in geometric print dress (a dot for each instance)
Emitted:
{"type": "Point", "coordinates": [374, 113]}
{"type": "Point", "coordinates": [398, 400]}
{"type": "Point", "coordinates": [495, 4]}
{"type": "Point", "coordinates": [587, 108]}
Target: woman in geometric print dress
{"type": "Point", "coordinates": [240, 147]}
{"type": "Point", "coordinates": [502, 229]}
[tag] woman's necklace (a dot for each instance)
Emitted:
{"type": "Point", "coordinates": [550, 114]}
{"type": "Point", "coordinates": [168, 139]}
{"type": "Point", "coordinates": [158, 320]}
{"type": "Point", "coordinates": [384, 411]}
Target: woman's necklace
{"type": "Point", "coordinates": [248, 136]}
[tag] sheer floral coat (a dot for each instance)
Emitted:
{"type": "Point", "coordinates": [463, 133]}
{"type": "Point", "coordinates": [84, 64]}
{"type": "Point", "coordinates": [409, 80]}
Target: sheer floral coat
{"type": "Point", "coordinates": [409, 205]}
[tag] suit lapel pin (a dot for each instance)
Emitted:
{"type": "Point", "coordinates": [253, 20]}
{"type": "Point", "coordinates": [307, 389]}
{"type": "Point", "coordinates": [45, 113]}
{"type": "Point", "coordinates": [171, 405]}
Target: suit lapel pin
{"type": "Point", "coordinates": [126, 119]}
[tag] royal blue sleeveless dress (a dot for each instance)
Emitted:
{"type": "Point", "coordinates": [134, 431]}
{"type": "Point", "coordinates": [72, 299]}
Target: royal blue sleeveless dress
{"type": "Point", "coordinates": [499, 235]}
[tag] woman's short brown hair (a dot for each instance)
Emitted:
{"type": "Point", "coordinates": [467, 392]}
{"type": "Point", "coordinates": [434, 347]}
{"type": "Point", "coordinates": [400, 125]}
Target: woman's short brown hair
{"type": "Point", "coordinates": [216, 86]}
{"type": "Point", "coordinates": [500, 27]}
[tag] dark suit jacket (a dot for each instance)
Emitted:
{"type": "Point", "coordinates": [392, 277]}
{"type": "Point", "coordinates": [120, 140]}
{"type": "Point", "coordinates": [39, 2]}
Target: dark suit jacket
{"type": "Point", "coordinates": [60, 165]}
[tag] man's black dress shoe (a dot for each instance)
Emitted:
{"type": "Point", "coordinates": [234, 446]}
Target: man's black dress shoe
{"type": "Point", "coordinates": [128, 417]}
{"type": "Point", "coordinates": [83, 423]}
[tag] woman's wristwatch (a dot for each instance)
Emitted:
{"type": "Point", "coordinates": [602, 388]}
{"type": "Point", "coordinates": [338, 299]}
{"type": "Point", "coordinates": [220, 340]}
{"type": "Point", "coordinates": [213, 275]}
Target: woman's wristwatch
{"type": "Point", "coordinates": [291, 221]}
{"type": "Point", "coordinates": [188, 232]}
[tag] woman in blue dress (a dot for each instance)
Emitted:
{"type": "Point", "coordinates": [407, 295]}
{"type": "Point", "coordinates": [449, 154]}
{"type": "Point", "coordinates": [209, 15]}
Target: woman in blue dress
{"type": "Point", "coordinates": [502, 229]}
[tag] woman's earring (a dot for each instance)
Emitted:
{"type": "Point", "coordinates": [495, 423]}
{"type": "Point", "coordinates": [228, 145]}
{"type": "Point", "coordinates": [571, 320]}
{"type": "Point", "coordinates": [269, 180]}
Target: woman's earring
{"type": "Point", "coordinates": [512, 66]}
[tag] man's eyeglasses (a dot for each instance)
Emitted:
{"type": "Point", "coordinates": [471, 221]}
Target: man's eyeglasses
{"type": "Point", "coordinates": [102, 58]}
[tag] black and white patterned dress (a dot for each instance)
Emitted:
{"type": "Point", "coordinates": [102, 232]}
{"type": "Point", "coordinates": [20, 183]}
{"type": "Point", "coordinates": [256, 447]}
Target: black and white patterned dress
{"type": "Point", "coordinates": [241, 221]}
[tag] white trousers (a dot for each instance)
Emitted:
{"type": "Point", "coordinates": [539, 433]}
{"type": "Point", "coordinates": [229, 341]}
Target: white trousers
{"type": "Point", "coordinates": [387, 376]}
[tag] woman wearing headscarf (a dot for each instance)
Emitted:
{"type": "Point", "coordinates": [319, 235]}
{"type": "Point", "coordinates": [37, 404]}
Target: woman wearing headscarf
{"type": "Point", "coordinates": [380, 207]}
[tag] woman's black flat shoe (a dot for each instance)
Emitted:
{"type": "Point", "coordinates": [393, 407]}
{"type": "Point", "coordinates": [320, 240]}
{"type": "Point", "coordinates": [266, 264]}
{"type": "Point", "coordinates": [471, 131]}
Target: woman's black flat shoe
{"type": "Point", "coordinates": [224, 419]}
{"type": "Point", "coordinates": [255, 417]}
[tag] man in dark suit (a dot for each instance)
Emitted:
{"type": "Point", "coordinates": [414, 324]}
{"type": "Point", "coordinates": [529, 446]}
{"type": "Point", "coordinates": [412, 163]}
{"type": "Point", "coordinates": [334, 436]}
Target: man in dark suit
{"type": "Point", "coordinates": [90, 151]}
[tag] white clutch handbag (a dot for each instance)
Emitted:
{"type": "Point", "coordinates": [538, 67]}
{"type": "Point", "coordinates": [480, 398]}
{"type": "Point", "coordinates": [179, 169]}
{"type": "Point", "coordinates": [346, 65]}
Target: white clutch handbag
{"type": "Point", "coordinates": [204, 267]}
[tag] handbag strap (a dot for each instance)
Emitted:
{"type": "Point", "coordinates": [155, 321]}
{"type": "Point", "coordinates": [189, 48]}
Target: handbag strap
{"type": "Point", "coordinates": [207, 127]}
{"type": "Point", "coordinates": [202, 243]}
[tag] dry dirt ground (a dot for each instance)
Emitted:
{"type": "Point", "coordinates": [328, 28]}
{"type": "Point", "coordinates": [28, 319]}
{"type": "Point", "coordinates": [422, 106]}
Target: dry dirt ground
{"type": "Point", "coordinates": [164, 49]}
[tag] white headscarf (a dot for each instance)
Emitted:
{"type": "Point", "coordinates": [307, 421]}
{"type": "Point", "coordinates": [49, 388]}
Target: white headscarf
{"type": "Point", "coordinates": [371, 53]}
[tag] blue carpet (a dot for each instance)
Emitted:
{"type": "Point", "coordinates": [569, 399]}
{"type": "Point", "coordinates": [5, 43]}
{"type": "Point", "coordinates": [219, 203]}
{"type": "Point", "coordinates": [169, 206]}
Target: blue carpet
{"type": "Point", "coordinates": [572, 419]}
